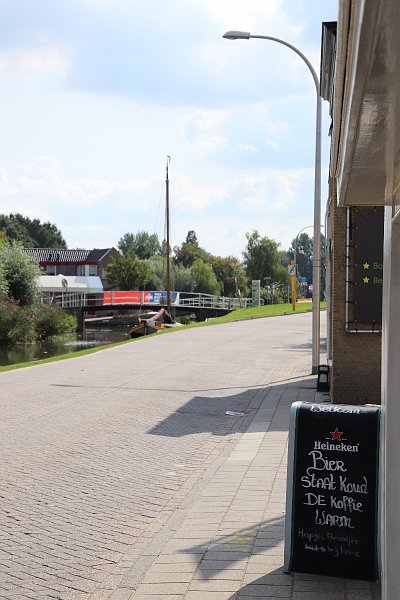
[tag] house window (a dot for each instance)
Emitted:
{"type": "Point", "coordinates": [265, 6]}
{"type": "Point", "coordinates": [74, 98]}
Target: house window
{"type": "Point", "coordinates": [92, 270]}
{"type": "Point", "coordinates": [51, 270]}
{"type": "Point", "coordinates": [104, 274]}
{"type": "Point", "coordinates": [80, 270]}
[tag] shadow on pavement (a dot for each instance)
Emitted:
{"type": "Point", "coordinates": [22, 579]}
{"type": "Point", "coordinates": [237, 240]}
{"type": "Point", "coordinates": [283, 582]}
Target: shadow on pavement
{"type": "Point", "coordinates": [205, 413]}
{"type": "Point", "coordinates": [266, 578]}
{"type": "Point", "coordinates": [307, 346]}
{"type": "Point", "coordinates": [208, 414]}
{"type": "Point", "coordinates": [222, 552]}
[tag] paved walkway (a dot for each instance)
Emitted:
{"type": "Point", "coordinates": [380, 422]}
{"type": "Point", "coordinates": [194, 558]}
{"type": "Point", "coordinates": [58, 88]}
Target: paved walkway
{"type": "Point", "coordinates": [125, 479]}
{"type": "Point", "coordinates": [226, 541]}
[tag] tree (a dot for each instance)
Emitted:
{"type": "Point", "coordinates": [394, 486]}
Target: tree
{"type": "Point", "coordinates": [304, 255]}
{"type": "Point", "coordinates": [191, 238]}
{"type": "Point", "coordinates": [18, 274]}
{"type": "Point", "coordinates": [31, 233]}
{"type": "Point", "coordinates": [143, 244]}
{"type": "Point", "coordinates": [189, 251]}
{"type": "Point", "coordinates": [157, 273]}
{"type": "Point", "coordinates": [182, 278]}
{"type": "Point", "coordinates": [204, 278]}
{"type": "Point", "coordinates": [261, 258]}
{"type": "Point", "coordinates": [231, 275]}
{"type": "Point", "coordinates": [128, 272]}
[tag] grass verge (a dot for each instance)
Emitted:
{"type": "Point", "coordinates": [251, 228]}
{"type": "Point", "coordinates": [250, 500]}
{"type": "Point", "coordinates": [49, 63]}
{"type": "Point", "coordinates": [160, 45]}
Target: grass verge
{"type": "Point", "coordinates": [241, 314]}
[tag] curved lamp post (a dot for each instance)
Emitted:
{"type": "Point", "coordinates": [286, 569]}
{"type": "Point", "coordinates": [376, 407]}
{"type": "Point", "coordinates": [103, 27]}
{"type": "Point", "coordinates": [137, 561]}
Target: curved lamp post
{"type": "Point", "coordinates": [243, 35]}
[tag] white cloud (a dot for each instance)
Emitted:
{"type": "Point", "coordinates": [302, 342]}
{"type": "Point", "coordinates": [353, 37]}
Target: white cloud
{"type": "Point", "coordinates": [204, 128]}
{"type": "Point", "coordinates": [102, 90]}
{"type": "Point", "coordinates": [238, 14]}
{"type": "Point", "coordinates": [42, 184]}
{"type": "Point", "coordinates": [271, 190]}
{"type": "Point", "coordinates": [190, 196]}
{"type": "Point", "coordinates": [271, 126]}
{"type": "Point", "coordinates": [247, 148]}
{"type": "Point", "coordinates": [36, 62]}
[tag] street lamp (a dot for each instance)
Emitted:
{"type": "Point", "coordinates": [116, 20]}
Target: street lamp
{"type": "Point", "coordinates": [243, 35]}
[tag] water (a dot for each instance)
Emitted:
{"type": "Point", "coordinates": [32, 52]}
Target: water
{"type": "Point", "coordinates": [19, 353]}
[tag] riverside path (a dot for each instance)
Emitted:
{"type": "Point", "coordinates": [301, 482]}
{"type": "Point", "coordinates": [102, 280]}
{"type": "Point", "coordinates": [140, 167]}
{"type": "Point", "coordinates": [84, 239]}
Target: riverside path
{"type": "Point", "coordinates": [123, 477]}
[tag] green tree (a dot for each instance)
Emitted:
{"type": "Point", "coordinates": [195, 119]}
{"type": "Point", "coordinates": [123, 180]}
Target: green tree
{"type": "Point", "coordinates": [22, 317]}
{"type": "Point", "coordinates": [143, 244]}
{"type": "Point", "coordinates": [182, 278]}
{"type": "Point", "coordinates": [18, 274]}
{"type": "Point", "coordinates": [231, 275]}
{"type": "Point", "coordinates": [284, 258]}
{"type": "Point", "coordinates": [262, 259]}
{"type": "Point", "coordinates": [31, 233]}
{"type": "Point", "coordinates": [156, 273]}
{"type": "Point", "coordinates": [204, 278]}
{"type": "Point", "coordinates": [3, 237]}
{"type": "Point", "coordinates": [189, 251]}
{"type": "Point", "coordinates": [128, 272]}
{"type": "Point", "coordinates": [304, 256]}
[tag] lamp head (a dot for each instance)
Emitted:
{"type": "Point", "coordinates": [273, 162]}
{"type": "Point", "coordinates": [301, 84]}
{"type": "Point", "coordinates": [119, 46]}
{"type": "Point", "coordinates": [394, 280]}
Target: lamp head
{"type": "Point", "coordinates": [236, 35]}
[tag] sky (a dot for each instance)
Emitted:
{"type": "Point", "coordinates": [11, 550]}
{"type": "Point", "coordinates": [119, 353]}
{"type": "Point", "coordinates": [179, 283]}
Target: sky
{"type": "Point", "coordinates": [95, 94]}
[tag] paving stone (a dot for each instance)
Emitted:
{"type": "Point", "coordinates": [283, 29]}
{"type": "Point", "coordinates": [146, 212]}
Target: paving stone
{"type": "Point", "coordinates": [208, 595]}
{"type": "Point", "coordinates": [162, 588]}
{"type": "Point", "coordinates": [118, 489]}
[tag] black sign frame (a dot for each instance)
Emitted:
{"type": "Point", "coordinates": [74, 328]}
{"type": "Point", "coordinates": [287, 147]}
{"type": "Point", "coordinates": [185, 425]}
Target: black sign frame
{"type": "Point", "coordinates": [332, 502]}
{"type": "Point", "coordinates": [368, 265]}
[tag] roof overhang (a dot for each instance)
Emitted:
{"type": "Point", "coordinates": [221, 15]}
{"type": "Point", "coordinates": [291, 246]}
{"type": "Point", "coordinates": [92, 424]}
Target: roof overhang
{"type": "Point", "coordinates": [366, 107]}
{"type": "Point", "coordinates": [64, 283]}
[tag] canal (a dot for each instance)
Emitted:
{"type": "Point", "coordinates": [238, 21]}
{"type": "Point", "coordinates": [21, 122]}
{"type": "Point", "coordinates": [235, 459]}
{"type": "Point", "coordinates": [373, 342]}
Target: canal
{"type": "Point", "coordinates": [19, 353]}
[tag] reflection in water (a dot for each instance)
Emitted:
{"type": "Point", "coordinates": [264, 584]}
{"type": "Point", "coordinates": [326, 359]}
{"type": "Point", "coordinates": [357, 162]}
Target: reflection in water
{"type": "Point", "coordinates": [12, 355]}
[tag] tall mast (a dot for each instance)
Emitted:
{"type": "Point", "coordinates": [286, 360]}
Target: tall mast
{"type": "Point", "coordinates": [167, 249]}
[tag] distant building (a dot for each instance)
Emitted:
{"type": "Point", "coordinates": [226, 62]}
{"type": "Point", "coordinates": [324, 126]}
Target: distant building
{"type": "Point", "coordinates": [77, 263]}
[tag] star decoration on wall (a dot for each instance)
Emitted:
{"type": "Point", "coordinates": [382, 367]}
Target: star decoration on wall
{"type": "Point", "coordinates": [365, 279]}
{"type": "Point", "coordinates": [366, 265]}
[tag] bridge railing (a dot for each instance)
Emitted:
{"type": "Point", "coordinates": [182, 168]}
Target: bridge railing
{"type": "Point", "coordinates": [144, 299]}
{"type": "Point", "coordinates": [208, 301]}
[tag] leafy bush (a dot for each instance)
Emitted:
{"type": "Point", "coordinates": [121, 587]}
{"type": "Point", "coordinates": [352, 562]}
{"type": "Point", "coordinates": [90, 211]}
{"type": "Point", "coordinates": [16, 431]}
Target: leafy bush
{"type": "Point", "coordinates": [18, 274]}
{"type": "Point", "coordinates": [19, 324]}
{"type": "Point", "coordinates": [183, 319]}
{"type": "Point", "coordinates": [16, 323]}
{"type": "Point", "coordinates": [51, 320]}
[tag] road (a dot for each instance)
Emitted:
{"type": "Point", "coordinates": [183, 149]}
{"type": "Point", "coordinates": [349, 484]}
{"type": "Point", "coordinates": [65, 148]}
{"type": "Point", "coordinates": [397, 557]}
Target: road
{"type": "Point", "coordinates": [98, 452]}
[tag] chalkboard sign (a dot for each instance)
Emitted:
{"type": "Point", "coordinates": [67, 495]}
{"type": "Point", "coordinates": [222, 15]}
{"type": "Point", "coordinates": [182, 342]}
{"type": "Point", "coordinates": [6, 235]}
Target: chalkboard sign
{"type": "Point", "coordinates": [332, 491]}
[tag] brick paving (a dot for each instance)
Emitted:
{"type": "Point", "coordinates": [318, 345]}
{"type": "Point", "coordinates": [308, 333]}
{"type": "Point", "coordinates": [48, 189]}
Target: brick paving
{"type": "Point", "coordinates": [123, 478]}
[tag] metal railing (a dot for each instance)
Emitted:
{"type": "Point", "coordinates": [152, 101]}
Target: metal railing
{"type": "Point", "coordinates": [143, 299]}
{"type": "Point", "coordinates": [208, 301]}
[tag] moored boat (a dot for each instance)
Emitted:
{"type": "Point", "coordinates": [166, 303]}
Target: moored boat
{"type": "Point", "coordinates": [152, 323]}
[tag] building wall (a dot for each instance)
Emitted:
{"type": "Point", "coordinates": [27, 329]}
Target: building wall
{"type": "Point", "coordinates": [355, 376]}
{"type": "Point", "coordinates": [102, 266]}
{"type": "Point", "coordinates": [390, 439]}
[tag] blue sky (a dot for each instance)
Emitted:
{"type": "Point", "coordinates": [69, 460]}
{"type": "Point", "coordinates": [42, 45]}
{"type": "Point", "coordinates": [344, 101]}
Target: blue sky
{"type": "Point", "coordinates": [96, 93]}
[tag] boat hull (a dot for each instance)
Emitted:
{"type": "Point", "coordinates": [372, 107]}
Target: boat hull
{"type": "Point", "coordinates": [145, 328]}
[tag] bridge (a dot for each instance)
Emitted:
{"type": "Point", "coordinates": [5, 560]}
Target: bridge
{"type": "Point", "coordinates": [203, 305]}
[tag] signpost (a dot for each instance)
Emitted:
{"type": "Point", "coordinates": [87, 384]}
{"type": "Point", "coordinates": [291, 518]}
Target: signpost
{"type": "Point", "coordinates": [332, 491]}
{"type": "Point", "coordinates": [292, 270]}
